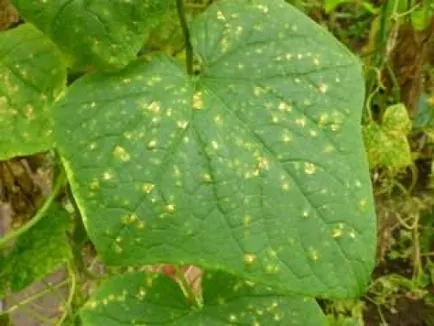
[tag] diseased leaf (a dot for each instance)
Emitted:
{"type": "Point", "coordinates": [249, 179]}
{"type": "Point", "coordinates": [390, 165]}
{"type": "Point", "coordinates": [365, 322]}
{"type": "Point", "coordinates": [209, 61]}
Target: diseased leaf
{"type": "Point", "coordinates": [140, 299]}
{"type": "Point", "coordinates": [32, 74]}
{"type": "Point", "coordinates": [387, 145]}
{"type": "Point", "coordinates": [256, 166]}
{"type": "Point", "coordinates": [105, 34]}
{"type": "Point", "coordinates": [39, 251]}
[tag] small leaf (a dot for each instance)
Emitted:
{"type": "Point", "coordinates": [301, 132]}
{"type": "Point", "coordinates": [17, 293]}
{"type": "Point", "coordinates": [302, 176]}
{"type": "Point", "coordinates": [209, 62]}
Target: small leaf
{"type": "Point", "coordinates": [32, 74]}
{"type": "Point", "coordinates": [256, 166]}
{"type": "Point", "coordinates": [105, 34]}
{"type": "Point", "coordinates": [39, 251]}
{"type": "Point", "coordinates": [396, 119]}
{"type": "Point", "coordinates": [330, 5]}
{"type": "Point", "coordinates": [387, 144]}
{"type": "Point", "coordinates": [141, 299]}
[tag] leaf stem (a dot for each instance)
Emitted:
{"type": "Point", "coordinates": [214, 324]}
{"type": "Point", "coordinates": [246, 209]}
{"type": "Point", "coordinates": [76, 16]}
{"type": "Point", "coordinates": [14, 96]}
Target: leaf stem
{"type": "Point", "coordinates": [186, 32]}
{"type": "Point", "coordinates": [72, 289]}
{"type": "Point", "coordinates": [186, 286]}
{"type": "Point", "coordinates": [39, 215]}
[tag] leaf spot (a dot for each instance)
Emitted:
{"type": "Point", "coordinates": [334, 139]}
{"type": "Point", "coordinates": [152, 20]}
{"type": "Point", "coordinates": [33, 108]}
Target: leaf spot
{"type": "Point", "coordinates": [220, 16]}
{"type": "Point", "coordinates": [309, 168]}
{"type": "Point", "coordinates": [246, 220]}
{"type": "Point", "coordinates": [313, 254]}
{"type": "Point", "coordinates": [108, 175]}
{"type": "Point", "coordinates": [121, 154]}
{"type": "Point", "coordinates": [249, 259]}
{"type": "Point", "coordinates": [285, 186]}
{"type": "Point", "coordinates": [147, 187]}
{"type": "Point", "coordinates": [129, 219]}
{"type": "Point", "coordinates": [197, 101]}
{"type": "Point", "coordinates": [154, 107]}
{"type": "Point", "coordinates": [262, 8]}
{"type": "Point", "coordinates": [323, 88]}
{"type": "Point", "coordinates": [301, 121]}
{"type": "Point", "coordinates": [338, 231]}
{"type": "Point", "coordinates": [207, 178]}
{"type": "Point", "coordinates": [152, 145]}
{"type": "Point", "coordinates": [182, 124]}
{"type": "Point", "coordinates": [285, 107]}
{"type": "Point", "coordinates": [313, 133]}
{"type": "Point", "coordinates": [170, 208]}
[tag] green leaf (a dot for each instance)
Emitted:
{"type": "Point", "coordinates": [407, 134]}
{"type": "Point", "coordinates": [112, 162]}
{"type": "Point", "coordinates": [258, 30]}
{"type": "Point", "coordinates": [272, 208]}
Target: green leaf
{"type": "Point", "coordinates": [105, 34]}
{"type": "Point", "coordinates": [141, 299]}
{"type": "Point", "coordinates": [330, 5]}
{"type": "Point", "coordinates": [39, 251]}
{"type": "Point", "coordinates": [32, 74]}
{"type": "Point", "coordinates": [256, 166]}
{"type": "Point", "coordinates": [387, 144]}
{"type": "Point", "coordinates": [422, 15]}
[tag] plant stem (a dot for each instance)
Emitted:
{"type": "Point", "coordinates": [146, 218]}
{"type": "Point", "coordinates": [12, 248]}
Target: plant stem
{"type": "Point", "coordinates": [186, 32]}
{"type": "Point", "coordinates": [39, 215]}
{"type": "Point", "coordinates": [72, 289]}
{"type": "Point", "coordinates": [186, 286]}
{"type": "Point", "coordinates": [33, 298]}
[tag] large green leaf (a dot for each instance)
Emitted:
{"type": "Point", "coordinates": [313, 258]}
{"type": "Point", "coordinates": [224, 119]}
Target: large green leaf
{"type": "Point", "coordinates": [256, 166]}
{"type": "Point", "coordinates": [107, 34]}
{"type": "Point", "coordinates": [141, 299]}
{"type": "Point", "coordinates": [32, 74]}
{"type": "Point", "coordinates": [38, 252]}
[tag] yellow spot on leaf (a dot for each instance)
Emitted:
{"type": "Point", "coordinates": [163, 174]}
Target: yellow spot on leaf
{"type": "Point", "coordinates": [147, 187]}
{"type": "Point", "coordinates": [301, 121]}
{"type": "Point", "coordinates": [108, 175]}
{"type": "Point", "coordinates": [170, 208]}
{"type": "Point", "coordinates": [141, 225]}
{"type": "Point", "coordinates": [152, 144]}
{"type": "Point", "coordinates": [323, 88]}
{"type": "Point", "coordinates": [233, 318]}
{"type": "Point", "coordinates": [182, 124]}
{"type": "Point", "coordinates": [218, 119]}
{"type": "Point", "coordinates": [285, 186]}
{"type": "Point", "coordinates": [215, 145]}
{"type": "Point", "coordinates": [263, 8]}
{"type": "Point", "coordinates": [258, 91]}
{"type": "Point", "coordinates": [121, 154]}
{"type": "Point", "coordinates": [197, 101]}
{"type": "Point", "coordinates": [309, 168]}
{"type": "Point", "coordinates": [220, 16]}
{"type": "Point", "coordinates": [206, 177]}
{"type": "Point", "coordinates": [94, 184]}
{"type": "Point", "coordinates": [249, 259]}
{"type": "Point", "coordinates": [363, 203]}
{"type": "Point", "coordinates": [313, 254]}
{"type": "Point", "coordinates": [323, 119]}
{"type": "Point", "coordinates": [285, 107]}
{"type": "Point", "coordinates": [338, 231]}
{"type": "Point", "coordinates": [328, 148]}
{"type": "Point", "coordinates": [246, 220]}
{"type": "Point", "coordinates": [129, 219]}
{"type": "Point", "coordinates": [154, 107]}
